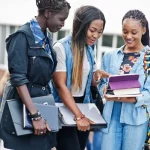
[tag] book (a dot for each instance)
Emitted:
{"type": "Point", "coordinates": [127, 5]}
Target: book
{"type": "Point", "coordinates": [89, 110]}
{"type": "Point", "coordinates": [48, 112]}
{"type": "Point", "coordinates": [126, 85]}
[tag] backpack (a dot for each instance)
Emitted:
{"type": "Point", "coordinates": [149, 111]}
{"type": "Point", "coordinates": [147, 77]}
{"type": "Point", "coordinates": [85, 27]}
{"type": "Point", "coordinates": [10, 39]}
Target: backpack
{"type": "Point", "coordinates": [147, 73]}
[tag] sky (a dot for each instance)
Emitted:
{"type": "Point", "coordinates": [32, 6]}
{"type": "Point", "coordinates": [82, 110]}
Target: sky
{"type": "Point", "coordinates": [20, 11]}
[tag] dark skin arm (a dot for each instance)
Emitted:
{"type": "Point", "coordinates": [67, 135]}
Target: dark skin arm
{"type": "Point", "coordinates": [39, 125]}
{"type": "Point", "coordinates": [59, 80]}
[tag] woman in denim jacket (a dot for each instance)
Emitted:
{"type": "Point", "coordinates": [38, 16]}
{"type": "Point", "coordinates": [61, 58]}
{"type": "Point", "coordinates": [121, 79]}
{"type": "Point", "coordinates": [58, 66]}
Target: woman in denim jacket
{"type": "Point", "coordinates": [74, 73]}
{"type": "Point", "coordinates": [126, 118]}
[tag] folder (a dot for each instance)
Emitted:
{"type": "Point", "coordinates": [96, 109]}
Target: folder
{"type": "Point", "coordinates": [48, 112]}
{"type": "Point", "coordinates": [89, 110]}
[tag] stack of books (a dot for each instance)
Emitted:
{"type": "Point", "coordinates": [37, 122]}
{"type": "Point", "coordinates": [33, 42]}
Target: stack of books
{"type": "Point", "coordinates": [126, 85]}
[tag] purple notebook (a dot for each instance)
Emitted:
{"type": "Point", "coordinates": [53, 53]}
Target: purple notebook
{"type": "Point", "coordinates": [124, 81]}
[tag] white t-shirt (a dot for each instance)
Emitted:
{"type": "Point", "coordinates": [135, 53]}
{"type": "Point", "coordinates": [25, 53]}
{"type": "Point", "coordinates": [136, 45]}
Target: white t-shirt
{"type": "Point", "coordinates": [61, 67]}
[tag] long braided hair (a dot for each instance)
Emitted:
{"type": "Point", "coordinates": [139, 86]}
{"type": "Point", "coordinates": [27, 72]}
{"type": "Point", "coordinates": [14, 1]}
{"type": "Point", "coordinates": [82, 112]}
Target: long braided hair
{"type": "Point", "coordinates": [138, 15]}
{"type": "Point", "coordinates": [53, 5]}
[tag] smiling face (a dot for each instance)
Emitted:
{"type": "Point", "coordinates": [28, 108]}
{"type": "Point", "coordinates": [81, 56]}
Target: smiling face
{"type": "Point", "coordinates": [132, 32]}
{"type": "Point", "coordinates": [57, 20]}
{"type": "Point", "coordinates": [94, 31]}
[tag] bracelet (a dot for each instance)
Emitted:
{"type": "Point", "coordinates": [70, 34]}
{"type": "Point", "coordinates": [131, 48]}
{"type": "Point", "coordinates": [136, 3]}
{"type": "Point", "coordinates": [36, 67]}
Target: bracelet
{"type": "Point", "coordinates": [36, 118]}
{"type": "Point", "coordinates": [79, 118]}
{"type": "Point", "coordinates": [35, 115]}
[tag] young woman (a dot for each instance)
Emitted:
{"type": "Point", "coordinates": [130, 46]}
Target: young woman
{"type": "Point", "coordinates": [74, 73]}
{"type": "Point", "coordinates": [126, 117]}
{"type": "Point", "coordinates": [29, 50]}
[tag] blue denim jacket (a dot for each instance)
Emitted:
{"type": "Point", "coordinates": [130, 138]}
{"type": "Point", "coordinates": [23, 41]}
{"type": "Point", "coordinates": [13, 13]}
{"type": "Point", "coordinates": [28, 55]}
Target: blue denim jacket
{"type": "Point", "coordinates": [66, 42]}
{"type": "Point", "coordinates": [131, 113]}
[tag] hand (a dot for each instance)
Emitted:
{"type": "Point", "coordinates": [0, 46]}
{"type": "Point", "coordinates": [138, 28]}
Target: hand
{"type": "Point", "coordinates": [100, 74]}
{"type": "Point", "coordinates": [40, 127]}
{"type": "Point", "coordinates": [84, 124]}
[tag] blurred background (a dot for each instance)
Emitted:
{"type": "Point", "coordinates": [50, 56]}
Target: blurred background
{"type": "Point", "coordinates": [14, 13]}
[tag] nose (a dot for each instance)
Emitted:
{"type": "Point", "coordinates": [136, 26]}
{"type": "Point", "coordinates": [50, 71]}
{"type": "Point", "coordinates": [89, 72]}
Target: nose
{"type": "Point", "coordinates": [63, 23]}
{"type": "Point", "coordinates": [129, 36]}
{"type": "Point", "coordinates": [96, 35]}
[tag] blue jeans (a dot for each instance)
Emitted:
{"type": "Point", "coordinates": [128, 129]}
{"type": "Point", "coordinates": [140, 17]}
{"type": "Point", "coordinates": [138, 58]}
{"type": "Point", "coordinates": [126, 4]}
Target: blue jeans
{"type": "Point", "coordinates": [122, 136]}
{"type": "Point", "coordinates": [97, 140]}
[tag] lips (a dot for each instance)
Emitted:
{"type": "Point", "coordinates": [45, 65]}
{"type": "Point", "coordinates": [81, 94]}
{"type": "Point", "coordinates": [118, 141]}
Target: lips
{"type": "Point", "coordinates": [129, 41]}
{"type": "Point", "coordinates": [92, 41]}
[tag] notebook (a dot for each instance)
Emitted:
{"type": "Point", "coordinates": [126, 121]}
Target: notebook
{"type": "Point", "coordinates": [47, 111]}
{"type": "Point", "coordinates": [126, 85]}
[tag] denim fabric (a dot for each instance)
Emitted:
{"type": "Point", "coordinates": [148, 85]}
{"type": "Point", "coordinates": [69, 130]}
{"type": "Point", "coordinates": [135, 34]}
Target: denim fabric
{"type": "Point", "coordinates": [97, 136]}
{"type": "Point", "coordinates": [122, 136]}
{"type": "Point", "coordinates": [66, 42]}
{"type": "Point", "coordinates": [130, 113]}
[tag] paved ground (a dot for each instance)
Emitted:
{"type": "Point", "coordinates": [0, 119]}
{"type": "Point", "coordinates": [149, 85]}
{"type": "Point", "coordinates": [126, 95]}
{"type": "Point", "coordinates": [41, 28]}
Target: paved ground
{"type": "Point", "coordinates": [2, 148]}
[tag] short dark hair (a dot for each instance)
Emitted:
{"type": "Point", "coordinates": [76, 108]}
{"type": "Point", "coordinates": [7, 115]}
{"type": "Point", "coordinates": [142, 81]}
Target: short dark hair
{"type": "Point", "coordinates": [53, 5]}
{"type": "Point", "coordinates": [82, 20]}
{"type": "Point", "coordinates": [138, 15]}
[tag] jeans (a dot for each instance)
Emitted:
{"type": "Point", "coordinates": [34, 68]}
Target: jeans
{"type": "Point", "coordinates": [122, 136]}
{"type": "Point", "coordinates": [97, 140]}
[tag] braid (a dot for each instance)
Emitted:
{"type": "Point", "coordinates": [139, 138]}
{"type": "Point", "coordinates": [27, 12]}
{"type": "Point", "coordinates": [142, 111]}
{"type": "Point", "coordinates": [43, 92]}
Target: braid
{"type": "Point", "coordinates": [54, 5]}
{"type": "Point", "coordinates": [138, 15]}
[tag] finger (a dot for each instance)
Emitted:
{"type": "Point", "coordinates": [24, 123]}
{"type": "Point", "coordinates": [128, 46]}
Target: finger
{"type": "Point", "coordinates": [89, 128]}
{"type": "Point", "coordinates": [45, 129]}
{"type": "Point", "coordinates": [40, 132]}
{"type": "Point", "coordinates": [104, 74]}
{"type": "Point", "coordinates": [91, 122]}
{"type": "Point", "coordinates": [78, 127]}
{"type": "Point", "coordinates": [35, 132]}
{"type": "Point", "coordinates": [48, 128]}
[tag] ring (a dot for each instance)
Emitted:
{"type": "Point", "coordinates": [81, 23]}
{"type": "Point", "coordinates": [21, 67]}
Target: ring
{"type": "Point", "coordinates": [41, 132]}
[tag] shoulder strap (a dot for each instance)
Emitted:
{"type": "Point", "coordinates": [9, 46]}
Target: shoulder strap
{"type": "Point", "coordinates": [147, 63]}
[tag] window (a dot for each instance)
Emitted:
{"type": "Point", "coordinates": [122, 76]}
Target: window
{"type": "Point", "coordinates": [12, 29]}
{"type": "Point", "coordinates": [2, 44]}
{"type": "Point", "coordinates": [107, 40]}
{"type": "Point", "coordinates": [61, 34]}
{"type": "Point", "coordinates": [120, 41]}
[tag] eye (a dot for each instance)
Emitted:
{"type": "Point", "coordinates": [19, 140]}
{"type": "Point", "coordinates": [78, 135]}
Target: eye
{"type": "Point", "coordinates": [92, 30]}
{"type": "Point", "coordinates": [125, 32]}
{"type": "Point", "coordinates": [134, 33]}
{"type": "Point", "coordinates": [100, 32]}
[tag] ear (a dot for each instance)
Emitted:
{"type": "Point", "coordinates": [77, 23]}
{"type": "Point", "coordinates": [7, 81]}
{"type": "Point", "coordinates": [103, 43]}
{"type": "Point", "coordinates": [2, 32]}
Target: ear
{"type": "Point", "coordinates": [144, 30]}
{"type": "Point", "coordinates": [47, 14]}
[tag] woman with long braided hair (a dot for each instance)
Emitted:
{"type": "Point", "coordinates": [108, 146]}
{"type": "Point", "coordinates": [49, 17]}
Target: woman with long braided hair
{"type": "Point", "coordinates": [31, 63]}
{"type": "Point", "coordinates": [126, 117]}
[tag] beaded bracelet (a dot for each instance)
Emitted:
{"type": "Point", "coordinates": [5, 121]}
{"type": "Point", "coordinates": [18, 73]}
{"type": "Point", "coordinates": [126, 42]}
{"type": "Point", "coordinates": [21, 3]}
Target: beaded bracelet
{"type": "Point", "coordinates": [36, 118]}
{"type": "Point", "coordinates": [79, 118]}
{"type": "Point", "coordinates": [35, 115]}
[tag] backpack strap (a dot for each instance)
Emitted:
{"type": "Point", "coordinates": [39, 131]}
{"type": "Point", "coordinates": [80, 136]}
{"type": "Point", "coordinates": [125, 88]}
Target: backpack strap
{"type": "Point", "coordinates": [147, 64]}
